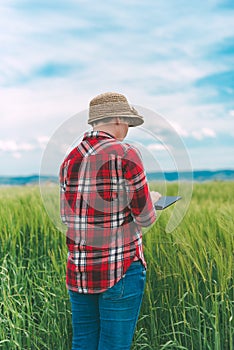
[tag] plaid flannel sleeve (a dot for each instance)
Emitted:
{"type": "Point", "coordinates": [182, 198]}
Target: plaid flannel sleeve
{"type": "Point", "coordinates": [62, 181]}
{"type": "Point", "coordinates": [139, 199]}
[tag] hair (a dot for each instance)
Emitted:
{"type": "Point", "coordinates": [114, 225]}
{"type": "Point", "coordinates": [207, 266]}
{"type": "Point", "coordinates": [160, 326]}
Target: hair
{"type": "Point", "coordinates": [108, 120]}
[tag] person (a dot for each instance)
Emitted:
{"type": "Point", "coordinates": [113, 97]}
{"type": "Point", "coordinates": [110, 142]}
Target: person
{"type": "Point", "coordinates": [105, 201]}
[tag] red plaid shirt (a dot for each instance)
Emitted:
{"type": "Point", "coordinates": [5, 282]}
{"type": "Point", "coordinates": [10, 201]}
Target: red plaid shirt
{"type": "Point", "coordinates": [104, 201]}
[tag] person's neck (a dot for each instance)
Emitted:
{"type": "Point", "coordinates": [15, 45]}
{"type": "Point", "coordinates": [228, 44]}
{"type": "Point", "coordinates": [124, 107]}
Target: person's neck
{"type": "Point", "coordinates": [109, 130]}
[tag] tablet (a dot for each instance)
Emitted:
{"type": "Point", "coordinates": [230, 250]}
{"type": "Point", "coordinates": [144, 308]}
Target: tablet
{"type": "Point", "coordinates": [166, 201]}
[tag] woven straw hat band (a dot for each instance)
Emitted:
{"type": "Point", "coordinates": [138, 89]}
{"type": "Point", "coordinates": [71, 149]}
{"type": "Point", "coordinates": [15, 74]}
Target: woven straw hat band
{"type": "Point", "coordinates": [112, 104]}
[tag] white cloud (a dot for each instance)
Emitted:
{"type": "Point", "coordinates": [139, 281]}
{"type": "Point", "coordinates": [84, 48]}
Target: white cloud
{"type": "Point", "coordinates": [198, 134]}
{"type": "Point", "coordinates": [208, 132]}
{"type": "Point", "coordinates": [203, 133]}
{"type": "Point", "coordinates": [16, 147]}
{"type": "Point", "coordinates": [42, 141]}
{"type": "Point", "coordinates": [13, 146]}
{"type": "Point", "coordinates": [179, 129]}
{"type": "Point", "coordinates": [156, 147]}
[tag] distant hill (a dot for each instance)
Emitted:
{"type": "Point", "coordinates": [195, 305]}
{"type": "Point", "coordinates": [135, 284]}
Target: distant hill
{"type": "Point", "coordinates": [25, 180]}
{"type": "Point", "coordinates": [198, 175]}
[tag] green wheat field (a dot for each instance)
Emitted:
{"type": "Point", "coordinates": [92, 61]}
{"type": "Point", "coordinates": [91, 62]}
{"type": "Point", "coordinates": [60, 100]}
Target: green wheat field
{"type": "Point", "coordinates": [188, 301]}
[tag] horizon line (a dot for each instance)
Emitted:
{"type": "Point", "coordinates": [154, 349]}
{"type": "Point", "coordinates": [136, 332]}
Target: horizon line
{"type": "Point", "coordinates": [150, 172]}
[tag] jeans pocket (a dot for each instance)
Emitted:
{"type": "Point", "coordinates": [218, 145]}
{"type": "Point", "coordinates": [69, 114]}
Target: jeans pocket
{"type": "Point", "coordinates": [115, 292]}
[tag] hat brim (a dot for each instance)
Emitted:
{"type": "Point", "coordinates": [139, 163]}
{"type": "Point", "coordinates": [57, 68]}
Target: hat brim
{"type": "Point", "coordinates": [136, 120]}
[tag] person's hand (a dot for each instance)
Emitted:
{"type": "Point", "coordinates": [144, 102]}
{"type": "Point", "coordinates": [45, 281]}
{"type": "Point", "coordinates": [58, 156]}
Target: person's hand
{"type": "Point", "coordinates": [155, 196]}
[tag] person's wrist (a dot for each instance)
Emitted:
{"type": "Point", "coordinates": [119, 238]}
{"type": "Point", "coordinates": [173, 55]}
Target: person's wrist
{"type": "Point", "coordinates": [155, 196]}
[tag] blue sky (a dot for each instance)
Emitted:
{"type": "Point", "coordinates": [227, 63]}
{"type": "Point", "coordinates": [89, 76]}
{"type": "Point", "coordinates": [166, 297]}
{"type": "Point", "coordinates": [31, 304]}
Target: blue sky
{"type": "Point", "coordinates": [173, 57]}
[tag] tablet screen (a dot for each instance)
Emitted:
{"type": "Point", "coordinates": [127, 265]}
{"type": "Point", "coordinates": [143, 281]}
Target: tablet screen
{"type": "Point", "coordinates": [166, 201]}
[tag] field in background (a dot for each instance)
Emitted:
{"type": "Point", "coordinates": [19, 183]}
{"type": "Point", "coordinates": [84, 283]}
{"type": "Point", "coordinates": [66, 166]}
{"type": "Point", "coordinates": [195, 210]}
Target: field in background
{"type": "Point", "coordinates": [188, 301]}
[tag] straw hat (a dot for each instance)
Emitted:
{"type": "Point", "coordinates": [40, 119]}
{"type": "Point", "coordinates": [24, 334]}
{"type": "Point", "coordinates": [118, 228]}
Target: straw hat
{"type": "Point", "coordinates": [112, 104]}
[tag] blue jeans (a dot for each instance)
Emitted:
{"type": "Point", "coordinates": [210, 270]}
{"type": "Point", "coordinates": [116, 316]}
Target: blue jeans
{"type": "Point", "coordinates": [106, 321]}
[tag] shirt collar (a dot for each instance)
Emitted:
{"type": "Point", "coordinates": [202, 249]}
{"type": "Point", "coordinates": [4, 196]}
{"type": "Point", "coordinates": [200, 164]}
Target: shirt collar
{"type": "Point", "coordinates": [98, 133]}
